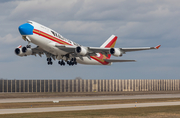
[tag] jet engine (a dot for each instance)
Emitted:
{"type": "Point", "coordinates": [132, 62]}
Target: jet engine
{"type": "Point", "coordinates": [27, 51]}
{"type": "Point", "coordinates": [18, 51]}
{"type": "Point", "coordinates": [116, 52]}
{"type": "Point", "coordinates": [81, 50]}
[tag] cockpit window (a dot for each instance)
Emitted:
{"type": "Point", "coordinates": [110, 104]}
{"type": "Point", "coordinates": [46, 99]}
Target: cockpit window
{"type": "Point", "coordinates": [30, 22]}
{"type": "Point", "coordinates": [53, 33]}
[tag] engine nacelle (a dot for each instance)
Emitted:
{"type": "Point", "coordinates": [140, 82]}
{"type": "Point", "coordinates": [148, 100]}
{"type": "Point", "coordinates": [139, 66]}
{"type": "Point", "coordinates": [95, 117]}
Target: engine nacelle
{"type": "Point", "coordinates": [18, 51]}
{"type": "Point", "coordinates": [116, 52]}
{"type": "Point", "coordinates": [81, 50]}
{"type": "Point", "coordinates": [27, 51]}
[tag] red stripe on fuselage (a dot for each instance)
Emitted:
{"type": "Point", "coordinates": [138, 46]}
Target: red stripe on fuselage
{"type": "Point", "coordinates": [43, 34]}
{"type": "Point", "coordinates": [50, 37]}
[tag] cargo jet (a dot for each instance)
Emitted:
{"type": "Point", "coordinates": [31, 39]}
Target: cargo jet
{"type": "Point", "coordinates": [55, 46]}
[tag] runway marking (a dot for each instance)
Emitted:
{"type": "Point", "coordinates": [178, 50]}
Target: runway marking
{"type": "Point", "coordinates": [90, 107]}
{"type": "Point", "coordinates": [117, 97]}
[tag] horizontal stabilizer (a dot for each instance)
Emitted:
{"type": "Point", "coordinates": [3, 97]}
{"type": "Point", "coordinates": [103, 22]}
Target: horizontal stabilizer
{"type": "Point", "coordinates": [115, 60]}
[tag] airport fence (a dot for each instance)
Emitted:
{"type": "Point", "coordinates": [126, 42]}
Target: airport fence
{"type": "Point", "coordinates": [81, 85]}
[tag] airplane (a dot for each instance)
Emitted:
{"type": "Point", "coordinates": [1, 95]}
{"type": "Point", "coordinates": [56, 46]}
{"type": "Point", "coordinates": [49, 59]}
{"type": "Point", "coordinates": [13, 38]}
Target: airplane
{"type": "Point", "coordinates": [55, 46]}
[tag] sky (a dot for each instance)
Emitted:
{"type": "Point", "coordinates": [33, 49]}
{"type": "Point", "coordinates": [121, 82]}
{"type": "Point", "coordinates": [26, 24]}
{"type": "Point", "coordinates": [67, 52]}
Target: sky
{"type": "Point", "coordinates": [137, 23]}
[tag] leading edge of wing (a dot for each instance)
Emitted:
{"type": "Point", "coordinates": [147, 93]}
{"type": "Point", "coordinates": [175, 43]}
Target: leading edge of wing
{"type": "Point", "coordinates": [116, 60]}
{"type": "Point", "coordinates": [139, 49]}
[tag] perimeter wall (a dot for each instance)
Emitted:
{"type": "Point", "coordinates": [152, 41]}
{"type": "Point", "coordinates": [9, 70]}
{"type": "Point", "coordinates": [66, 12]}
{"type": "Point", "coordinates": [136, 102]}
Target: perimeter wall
{"type": "Point", "coordinates": [81, 85]}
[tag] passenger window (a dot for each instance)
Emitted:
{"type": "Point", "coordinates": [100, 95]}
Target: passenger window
{"type": "Point", "coordinates": [59, 36]}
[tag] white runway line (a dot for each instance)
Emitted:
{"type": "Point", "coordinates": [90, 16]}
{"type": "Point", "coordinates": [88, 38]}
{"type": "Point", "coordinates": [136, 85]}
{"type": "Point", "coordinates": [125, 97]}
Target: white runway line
{"type": "Point", "coordinates": [90, 107]}
{"type": "Point", "coordinates": [116, 97]}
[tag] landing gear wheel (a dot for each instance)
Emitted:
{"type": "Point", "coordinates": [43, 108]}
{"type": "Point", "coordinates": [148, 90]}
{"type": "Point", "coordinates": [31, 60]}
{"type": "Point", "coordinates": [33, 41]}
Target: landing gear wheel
{"type": "Point", "coordinates": [75, 63]}
{"type": "Point", "coordinates": [74, 59]}
{"type": "Point", "coordinates": [49, 59]}
{"type": "Point", "coordinates": [68, 62]}
{"type": "Point", "coordinates": [49, 63]}
{"type": "Point", "coordinates": [72, 63]}
{"type": "Point", "coordinates": [61, 63]}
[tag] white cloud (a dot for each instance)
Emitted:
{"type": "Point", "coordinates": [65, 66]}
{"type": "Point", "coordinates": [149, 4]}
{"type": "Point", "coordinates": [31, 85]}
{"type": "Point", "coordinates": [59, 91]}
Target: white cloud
{"type": "Point", "coordinates": [135, 22]}
{"type": "Point", "coordinates": [9, 39]}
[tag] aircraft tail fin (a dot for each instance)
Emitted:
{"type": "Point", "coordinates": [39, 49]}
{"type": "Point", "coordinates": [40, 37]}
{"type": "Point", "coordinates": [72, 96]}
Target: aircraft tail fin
{"type": "Point", "coordinates": [109, 43]}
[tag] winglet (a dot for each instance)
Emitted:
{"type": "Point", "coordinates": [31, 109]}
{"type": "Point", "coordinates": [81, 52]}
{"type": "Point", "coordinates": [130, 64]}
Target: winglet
{"type": "Point", "coordinates": [157, 47]}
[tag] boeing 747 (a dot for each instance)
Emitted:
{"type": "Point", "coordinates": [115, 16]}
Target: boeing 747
{"type": "Point", "coordinates": [55, 46]}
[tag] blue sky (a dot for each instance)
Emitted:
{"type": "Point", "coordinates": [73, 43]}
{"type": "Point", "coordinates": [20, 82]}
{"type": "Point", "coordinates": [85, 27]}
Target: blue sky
{"type": "Point", "coordinates": [137, 23]}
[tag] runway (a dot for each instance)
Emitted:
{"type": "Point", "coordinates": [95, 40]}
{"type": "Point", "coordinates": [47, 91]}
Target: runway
{"type": "Point", "coordinates": [90, 107]}
{"type": "Point", "coordinates": [116, 97]}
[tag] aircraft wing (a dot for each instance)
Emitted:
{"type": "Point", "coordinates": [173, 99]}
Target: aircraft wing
{"type": "Point", "coordinates": [98, 49]}
{"type": "Point", "coordinates": [106, 50]}
{"type": "Point", "coordinates": [93, 50]}
{"type": "Point", "coordinates": [124, 50]}
{"type": "Point", "coordinates": [38, 51]}
{"type": "Point", "coordinates": [66, 48]}
{"type": "Point", "coordinates": [139, 49]}
{"type": "Point", "coordinates": [116, 60]}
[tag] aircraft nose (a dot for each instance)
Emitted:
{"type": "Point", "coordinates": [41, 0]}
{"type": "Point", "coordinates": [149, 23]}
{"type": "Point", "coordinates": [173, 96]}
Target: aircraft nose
{"type": "Point", "coordinates": [26, 29]}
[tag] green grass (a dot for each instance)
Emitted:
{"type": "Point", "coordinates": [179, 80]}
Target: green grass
{"type": "Point", "coordinates": [151, 112]}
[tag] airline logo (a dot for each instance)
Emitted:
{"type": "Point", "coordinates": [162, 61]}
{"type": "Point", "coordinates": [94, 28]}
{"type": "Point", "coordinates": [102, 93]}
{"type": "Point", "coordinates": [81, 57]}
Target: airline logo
{"type": "Point", "coordinates": [55, 39]}
{"type": "Point", "coordinates": [110, 43]}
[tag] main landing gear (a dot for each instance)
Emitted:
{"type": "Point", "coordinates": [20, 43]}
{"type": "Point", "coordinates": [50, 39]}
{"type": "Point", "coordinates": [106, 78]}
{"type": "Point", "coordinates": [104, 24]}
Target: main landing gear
{"type": "Point", "coordinates": [61, 62]}
{"type": "Point", "coordinates": [72, 62]}
{"type": "Point", "coordinates": [49, 61]}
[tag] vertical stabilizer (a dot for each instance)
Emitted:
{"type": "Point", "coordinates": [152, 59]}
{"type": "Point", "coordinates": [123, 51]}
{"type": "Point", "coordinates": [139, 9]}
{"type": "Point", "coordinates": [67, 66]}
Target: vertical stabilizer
{"type": "Point", "coordinates": [110, 43]}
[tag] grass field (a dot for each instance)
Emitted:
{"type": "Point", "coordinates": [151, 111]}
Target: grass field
{"type": "Point", "coordinates": [54, 94]}
{"type": "Point", "coordinates": [147, 112]}
{"type": "Point", "coordinates": [82, 103]}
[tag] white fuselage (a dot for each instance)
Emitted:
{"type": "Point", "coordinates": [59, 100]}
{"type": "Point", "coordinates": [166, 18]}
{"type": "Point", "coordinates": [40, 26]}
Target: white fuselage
{"type": "Point", "coordinates": [57, 47]}
{"type": "Point", "coordinates": [44, 38]}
